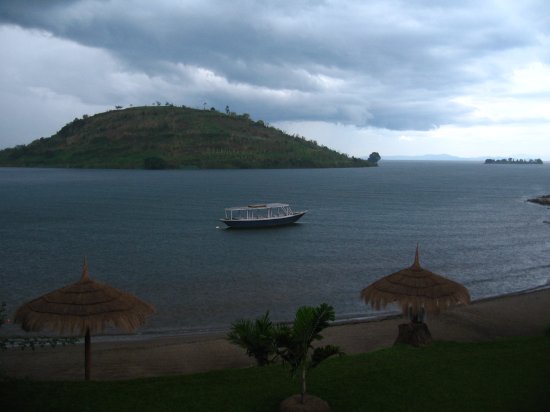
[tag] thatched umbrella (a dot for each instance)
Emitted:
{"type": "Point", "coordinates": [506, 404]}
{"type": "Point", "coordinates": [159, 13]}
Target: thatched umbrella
{"type": "Point", "coordinates": [417, 290]}
{"type": "Point", "coordinates": [84, 308]}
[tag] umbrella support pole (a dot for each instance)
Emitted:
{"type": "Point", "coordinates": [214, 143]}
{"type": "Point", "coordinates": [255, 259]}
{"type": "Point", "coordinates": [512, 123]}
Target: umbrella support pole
{"type": "Point", "coordinates": [415, 334]}
{"type": "Point", "coordinates": [87, 355]}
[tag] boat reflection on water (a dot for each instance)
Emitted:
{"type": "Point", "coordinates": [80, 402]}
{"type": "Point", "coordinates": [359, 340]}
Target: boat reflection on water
{"type": "Point", "coordinates": [261, 215]}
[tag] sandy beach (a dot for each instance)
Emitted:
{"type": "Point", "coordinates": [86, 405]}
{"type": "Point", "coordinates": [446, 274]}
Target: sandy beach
{"type": "Point", "coordinates": [525, 314]}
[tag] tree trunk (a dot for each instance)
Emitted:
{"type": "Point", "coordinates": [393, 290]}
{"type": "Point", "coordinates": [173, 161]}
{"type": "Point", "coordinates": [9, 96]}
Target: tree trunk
{"type": "Point", "coordinates": [415, 334]}
{"type": "Point", "coordinates": [87, 355]}
{"type": "Point", "coordinates": [303, 384]}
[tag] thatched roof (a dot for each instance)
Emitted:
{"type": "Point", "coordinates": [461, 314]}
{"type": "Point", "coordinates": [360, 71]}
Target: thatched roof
{"type": "Point", "coordinates": [84, 305]}
{"type": "Point", "coordinates": [416, 288]}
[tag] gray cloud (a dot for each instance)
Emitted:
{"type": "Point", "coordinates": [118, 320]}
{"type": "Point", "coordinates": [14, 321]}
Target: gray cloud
{"type": "Point", "coordinates": [389, 64]}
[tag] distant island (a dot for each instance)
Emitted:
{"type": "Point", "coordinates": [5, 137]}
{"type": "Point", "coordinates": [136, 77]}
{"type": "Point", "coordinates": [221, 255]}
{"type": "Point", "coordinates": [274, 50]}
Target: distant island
{"type": "Point", "coordinates": [514, 161]}
{"type": "Point", "coordinates": [541, 200]}
{"type": "Point", "coordinates": [172, 137]}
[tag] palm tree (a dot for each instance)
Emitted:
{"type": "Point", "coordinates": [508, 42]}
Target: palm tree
{"type": "Point", "coordinates": [257, 337]}
{"type": "Point", "coordinates": [295, 342]}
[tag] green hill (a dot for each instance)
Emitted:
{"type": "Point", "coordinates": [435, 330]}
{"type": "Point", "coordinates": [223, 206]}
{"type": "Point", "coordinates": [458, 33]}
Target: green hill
{"type": "Point", "coordinates": [160, 137]}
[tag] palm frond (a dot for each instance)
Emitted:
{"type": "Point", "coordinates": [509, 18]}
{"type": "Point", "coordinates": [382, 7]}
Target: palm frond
{"type": "Point", "coordinates": [310, 321]}
{"type": "Point", "coordinates": [257, 338]}
{"type": "Point", "coordinates": [322, 353]}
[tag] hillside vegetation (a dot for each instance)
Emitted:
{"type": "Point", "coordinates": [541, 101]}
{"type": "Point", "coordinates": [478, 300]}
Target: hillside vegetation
{"type": "Point", "coordinates": [160, 137]}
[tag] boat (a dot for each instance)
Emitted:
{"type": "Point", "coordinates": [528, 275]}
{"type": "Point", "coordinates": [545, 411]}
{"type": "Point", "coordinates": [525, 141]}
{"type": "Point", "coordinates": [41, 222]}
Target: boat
{"type": "Point", "coordinates": [261, 215]}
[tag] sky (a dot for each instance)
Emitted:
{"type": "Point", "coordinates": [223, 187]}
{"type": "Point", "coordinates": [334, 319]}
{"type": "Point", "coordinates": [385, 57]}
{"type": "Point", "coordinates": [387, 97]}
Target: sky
{"type": "Point", "coordinates": [409, 77]}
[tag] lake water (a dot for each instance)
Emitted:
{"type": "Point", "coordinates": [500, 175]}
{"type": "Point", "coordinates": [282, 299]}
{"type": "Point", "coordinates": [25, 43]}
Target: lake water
{"type": "Point", "coordinates": [156, 234]}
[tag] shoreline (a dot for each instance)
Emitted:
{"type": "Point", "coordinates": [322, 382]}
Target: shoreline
{"type": "Point", "coordinates": [220, 332]}
{"type": "Point", "coordinates": [541, 200]}
{"type": "Point", "coordinates": [512, 315]}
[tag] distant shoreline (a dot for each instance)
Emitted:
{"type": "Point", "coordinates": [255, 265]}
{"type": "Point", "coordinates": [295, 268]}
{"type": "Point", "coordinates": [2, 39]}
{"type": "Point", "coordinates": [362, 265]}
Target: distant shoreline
{"type": "Point", "coordinates": [541, 200]}
{"type": "Point", "coordinates": [511, 161]}
{"type": "Point", "coordinates": [440, 158]}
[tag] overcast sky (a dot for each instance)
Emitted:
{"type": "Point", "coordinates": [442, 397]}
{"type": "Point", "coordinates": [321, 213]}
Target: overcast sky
{"type": "Point", "coordinates": [467, 78]}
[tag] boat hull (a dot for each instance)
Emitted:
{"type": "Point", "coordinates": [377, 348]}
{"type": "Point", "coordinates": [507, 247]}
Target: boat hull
{"type": "Point", "coordinates": [259, 223]}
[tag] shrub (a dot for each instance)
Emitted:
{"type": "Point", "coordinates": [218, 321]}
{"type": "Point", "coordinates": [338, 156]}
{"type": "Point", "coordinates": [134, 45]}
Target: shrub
{"type": "Point", "coordinates": [154, 163]}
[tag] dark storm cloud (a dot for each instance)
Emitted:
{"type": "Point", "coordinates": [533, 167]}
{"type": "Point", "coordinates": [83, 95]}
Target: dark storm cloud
{"type": "Point", "coordinates": [389, 64]}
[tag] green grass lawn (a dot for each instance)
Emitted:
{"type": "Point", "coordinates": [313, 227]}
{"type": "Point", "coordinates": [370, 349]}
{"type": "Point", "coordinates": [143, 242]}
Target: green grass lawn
{"type": "Point", "coordinates": [508, 375]}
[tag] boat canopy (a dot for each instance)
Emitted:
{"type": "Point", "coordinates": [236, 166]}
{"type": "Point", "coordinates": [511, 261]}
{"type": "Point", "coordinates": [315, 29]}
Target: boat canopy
{"type": "Point", "coordinates": [258, 206]}
{"type": "Point", "coordinates": [258, 211]}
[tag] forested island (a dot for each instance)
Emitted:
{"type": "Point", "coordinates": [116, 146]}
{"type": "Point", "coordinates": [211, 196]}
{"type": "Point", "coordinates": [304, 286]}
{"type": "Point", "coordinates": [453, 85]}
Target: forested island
{"type": "Point", "coordinates": [514, 161]}
{"type": "Point", "coordinates": [171, 137]}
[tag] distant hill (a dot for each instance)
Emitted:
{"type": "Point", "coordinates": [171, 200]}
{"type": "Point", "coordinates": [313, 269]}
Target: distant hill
{"type": "Point", "coordinates": [440, 157]}
{"type": "Point", "coordinates": [160, 137]}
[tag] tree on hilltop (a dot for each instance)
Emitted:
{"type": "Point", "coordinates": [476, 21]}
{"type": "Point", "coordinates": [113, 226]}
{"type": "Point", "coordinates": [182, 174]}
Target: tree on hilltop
{"type": "Point", "coordinates": [374, 157]}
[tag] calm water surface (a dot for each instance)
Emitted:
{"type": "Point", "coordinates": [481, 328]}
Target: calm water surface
{"type": "Point", "coordinates": [156, 235]}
